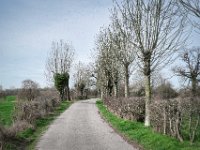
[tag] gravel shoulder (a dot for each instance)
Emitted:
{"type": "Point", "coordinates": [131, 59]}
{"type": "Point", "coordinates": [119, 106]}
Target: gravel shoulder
{"type": "Point", "coordinates": [80, 127]}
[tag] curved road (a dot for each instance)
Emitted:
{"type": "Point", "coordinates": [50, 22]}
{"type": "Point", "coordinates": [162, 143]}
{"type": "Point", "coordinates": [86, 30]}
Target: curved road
{"type": "Point", "coordinates": [80, 127]}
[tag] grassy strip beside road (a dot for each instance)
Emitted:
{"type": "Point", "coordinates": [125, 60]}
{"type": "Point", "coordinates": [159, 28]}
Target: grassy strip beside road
{"type": "Point", "coordinates": [149, 140]}
{"type": "Point", "coordinates": [28, 138]}
{"type": "Point", "coordinates": [31, 136]}
{"type": "Point", "coordinates": [6, 110]}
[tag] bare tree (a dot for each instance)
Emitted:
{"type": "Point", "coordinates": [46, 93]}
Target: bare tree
{"type": "Point", "coordinates": [165, 91]}
{"type": "Point", "coordinates": [107, 66]}
{"type": "Point", "coordinates": [123, 50]}
{"type": "Point", "coordinates": [157, 31]}
{"type": "Point", "coordinates": [29, 90]}
{"type": "Point", "coordinates": [2, 92]}
{"type": "Point", "coordinates": [82, 79]}
{"type": "Point", "coordinates": [103, 64]}
{"type": "Point", "coordinates": [59, 62]}
{"type": "Point", "coordinates": [191, 70]}
{"type": "Point", "coordinates": [191, 8]}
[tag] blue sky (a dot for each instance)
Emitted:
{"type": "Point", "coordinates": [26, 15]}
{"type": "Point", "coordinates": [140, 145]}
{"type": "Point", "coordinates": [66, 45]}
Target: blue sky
{"type": "Point", "coordinates": [27, 28]}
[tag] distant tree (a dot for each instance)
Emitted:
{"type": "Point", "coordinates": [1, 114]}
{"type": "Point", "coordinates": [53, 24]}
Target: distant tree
{"type": "Point", "coordinates": [108, 68]}
{"type": "Point", "coordinates": [122, 48]}
{"type": "Point", "coordinates": [60, 82]}
{"type": "Point", "coordinates": [29, 90]}
{"type": "Point", "coordinates": [58, 66]}
{"type": "Point", "coordinates": [139, 92]}
{"type": "Point", "coordinates": [191, 69]}
{"type": "Point", "coordinates": [82, 78]}
{"type": "Point", "coordinates": [165, 91]}
{"type": "Point", "coordinates": [2, 93]}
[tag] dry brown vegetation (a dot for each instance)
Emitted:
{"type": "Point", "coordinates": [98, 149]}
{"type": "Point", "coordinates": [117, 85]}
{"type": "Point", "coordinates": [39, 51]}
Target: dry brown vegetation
{"type": "Point", "coordinates": [129, 108]}
{"type": "Point", "coordinates": [177, 117]}
{"type": "Point", "coordinates": [40, 106]}
{"type": "Point", "coordinates": [31, 104]}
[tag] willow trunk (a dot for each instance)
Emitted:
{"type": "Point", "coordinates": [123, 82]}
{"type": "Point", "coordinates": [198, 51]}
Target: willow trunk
{"type": "Point", "coordinates": [126, 90]}
{"type": "Point", "coordinates": [147, 99]}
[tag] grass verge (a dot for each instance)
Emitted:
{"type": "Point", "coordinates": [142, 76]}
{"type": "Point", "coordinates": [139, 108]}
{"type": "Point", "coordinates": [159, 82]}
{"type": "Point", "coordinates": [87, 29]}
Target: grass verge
{"type": "Point", "coordinates": [31, 136]}
{"type": "Point", "coordinates": [6, 110]}
{"type": "Point", "coordinates": [146, 137]}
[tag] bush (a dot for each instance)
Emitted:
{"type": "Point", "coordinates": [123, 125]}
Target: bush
{"type": "Point", "coordinates": [2, 95]}
{"type": "Point", "coordinates": [61, 82]}
{"type": "Point", "coordinates": [177, 117]}
{"type": "Point", "coordinates": [140, 92]}
{"type": "Point", "coordinates": [39, 107]}
{"type": "Point", "coordinates": [25, 114]}
{"type": "Point", "coordinates": [2, 136]}
{"type": "Point", "coordinates": [165, 91]}
{"type": "Point", "coordinates": [129, 108]}
{"type": "Point", "coordinates": [137, 133]}
{"type": "Point", "coordinates": [17, 127]}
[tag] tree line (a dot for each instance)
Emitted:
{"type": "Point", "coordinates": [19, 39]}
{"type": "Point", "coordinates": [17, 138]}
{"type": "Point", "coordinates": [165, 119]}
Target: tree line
{"type": "Point", "coordinates": [143, 37]}
{"type": "Point", "coordinates": [146, 36]}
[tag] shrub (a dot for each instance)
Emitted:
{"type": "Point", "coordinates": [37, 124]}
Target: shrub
{"type": "Point", "coordinates": [177, 117]}
{"type": "Point", "coordinates": [25, 114]}
{"type": "Point", "coordinates": [163, 115]}
{"type": "Point", "coordinates": [17, 127]}
{"type": "Point", "coordinates": [37, 108]}
{"type": "Point", "coordinates": [2, 94]}
{"type": "Point", "coordinates": [129, 108]}
{"type": "Point", "coordinates": [28, 111]}
{"type": "Point", "coordinates": [165, 91]}
{"type": "Point", "coordinates": [61, 82]}
{"type": "Point", "coordinates": [2, 136]}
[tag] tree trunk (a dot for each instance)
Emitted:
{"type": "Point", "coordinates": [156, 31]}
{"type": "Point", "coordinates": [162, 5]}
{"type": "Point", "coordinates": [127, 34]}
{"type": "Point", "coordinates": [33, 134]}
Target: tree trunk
{"type": "Point", "coordinates": [126, 81]}
{"type": "Point", "coordinates": [102, 93]}
{"type": "Point", "coordinates": [164, 120]}
{"type": "Point", "coordinates": [81, 93]}
{"type": "Point", "coordinates": [68, 93]}
{"type": "Point", "coordinates": [115, 87]}
{"type": "Point", "coordinates": [178, 126]}
{"type": "Point", "coordinates": [194, 86]}
{"type": "Point", "coordinates": [110, 87]}
{"type": "Point", "coordinates": [62, 95]}
{"type": "Point", "coordinates": [147, 99]}
{"type": "Point", "coordinates": [193, 134]}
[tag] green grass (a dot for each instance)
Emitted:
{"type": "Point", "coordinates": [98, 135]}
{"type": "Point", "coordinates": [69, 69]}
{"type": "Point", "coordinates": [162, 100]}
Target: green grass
{"type": "Point", "coordinates": [144, 136]}
{"type": "Point", "coordinates": [31, 136]}
{"type": "Point", "coordinates": [28, 138]}
{"type": "Point", "coordinates": [6, 110]}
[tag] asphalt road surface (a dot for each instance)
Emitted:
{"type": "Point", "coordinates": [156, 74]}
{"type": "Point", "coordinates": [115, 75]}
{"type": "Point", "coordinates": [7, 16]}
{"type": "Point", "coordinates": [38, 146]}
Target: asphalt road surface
{"type": "Point", "coordinates": [80, 127]}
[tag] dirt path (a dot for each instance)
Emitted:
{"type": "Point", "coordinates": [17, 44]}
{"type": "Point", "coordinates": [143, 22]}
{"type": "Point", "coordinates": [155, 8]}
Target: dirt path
{"type": "Point", "coordinates": [81, 128]}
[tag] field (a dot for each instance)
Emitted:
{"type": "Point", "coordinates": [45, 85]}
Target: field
{"type": "Point", "coordinates": [31, 136]}
{"type": "Point", "coordinates": [146, 137]}
{"type": "Point", "coordinates": [28, 138]}
{"type": "Point", "coordinates": [6, 110]}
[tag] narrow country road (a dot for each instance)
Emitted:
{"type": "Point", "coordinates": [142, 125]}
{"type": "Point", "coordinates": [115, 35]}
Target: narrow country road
{"type": "Point", "coordinates": [81, 128]}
